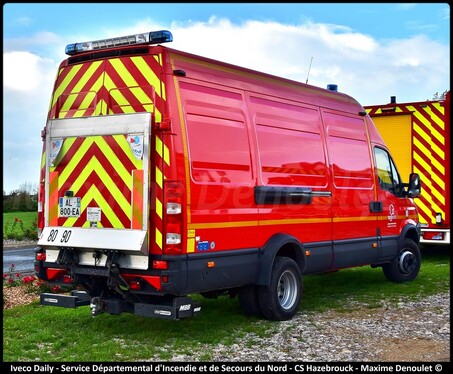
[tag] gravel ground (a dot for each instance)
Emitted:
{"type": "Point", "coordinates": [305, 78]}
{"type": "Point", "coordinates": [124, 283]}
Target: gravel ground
{"type": "Point", "coordinates": [411, 331]}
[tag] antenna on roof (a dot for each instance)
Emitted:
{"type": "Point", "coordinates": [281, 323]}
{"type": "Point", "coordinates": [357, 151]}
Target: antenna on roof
{"type": "Point", "coordinates": [309, 70]}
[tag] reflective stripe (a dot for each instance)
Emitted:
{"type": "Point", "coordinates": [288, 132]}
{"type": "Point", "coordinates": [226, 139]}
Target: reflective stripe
{"type": "Point", "coordinates": [137, 199]}
{"type": "Point", "coordinates": [53, 198]}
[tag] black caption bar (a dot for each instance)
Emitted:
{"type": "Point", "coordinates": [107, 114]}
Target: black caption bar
{"type": "Point", "coordinates": [227, 367]}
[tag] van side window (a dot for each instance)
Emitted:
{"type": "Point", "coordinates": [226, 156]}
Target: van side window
{"type": "Point", "coordinates": [219, 146]}
{"type": "Point", "coordinates": [349, 152]}
{"type": "Point", "coordinates": [388, 176]}
{"type": "Point", "coordinates": [290, 144]}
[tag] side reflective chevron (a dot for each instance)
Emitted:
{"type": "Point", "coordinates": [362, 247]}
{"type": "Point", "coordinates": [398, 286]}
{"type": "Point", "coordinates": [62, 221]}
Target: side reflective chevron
{"type": "Point", "coordinates": [428, 154]}
{"type": "Point", "coordinates": [429, 158]}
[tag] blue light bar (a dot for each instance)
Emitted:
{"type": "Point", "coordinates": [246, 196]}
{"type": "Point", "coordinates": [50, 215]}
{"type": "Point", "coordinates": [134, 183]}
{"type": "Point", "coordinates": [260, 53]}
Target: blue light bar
{"type": "Point", "coordinates": [154, 37]}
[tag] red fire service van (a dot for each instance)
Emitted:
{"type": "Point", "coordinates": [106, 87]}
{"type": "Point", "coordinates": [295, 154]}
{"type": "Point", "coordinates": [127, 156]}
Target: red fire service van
{"type": "Point", "coordinates": [166, 175]}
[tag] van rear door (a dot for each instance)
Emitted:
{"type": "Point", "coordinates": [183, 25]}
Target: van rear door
{"type": "Point", "coordinates": [97, 184]}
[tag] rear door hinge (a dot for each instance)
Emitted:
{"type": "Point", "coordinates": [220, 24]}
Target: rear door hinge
{"type": "Point", "coordinates": [163, 125]}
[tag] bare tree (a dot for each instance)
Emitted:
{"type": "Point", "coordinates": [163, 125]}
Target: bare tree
{"type": "Point", "coordinates": [442, 96]}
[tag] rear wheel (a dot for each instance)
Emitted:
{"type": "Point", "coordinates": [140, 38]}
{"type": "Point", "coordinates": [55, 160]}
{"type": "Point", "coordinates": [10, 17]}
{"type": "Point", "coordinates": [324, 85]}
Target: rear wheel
{"type": "Point", "coordinates": [406, 265]}
{"type": "Point", "coordinates": [281, 298]}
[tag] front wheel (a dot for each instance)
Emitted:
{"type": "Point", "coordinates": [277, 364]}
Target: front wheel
{"type": "Point", "coordinates": [281, 298]}
{"type": "Point", "coordinates": [406, 265]}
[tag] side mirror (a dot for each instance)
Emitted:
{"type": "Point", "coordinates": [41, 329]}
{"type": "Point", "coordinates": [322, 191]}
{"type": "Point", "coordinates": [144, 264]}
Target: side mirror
{"type": "Point", "coordinates": [415, 188]}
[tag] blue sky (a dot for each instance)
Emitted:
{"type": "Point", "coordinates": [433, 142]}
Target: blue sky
{"type": "Point", "coordinates": [371, 51]}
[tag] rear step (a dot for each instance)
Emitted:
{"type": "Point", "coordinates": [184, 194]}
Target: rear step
{"type": "Point", "coordinates": [77, 298]}
{"type": "Point", "coordinates": [180, 307]}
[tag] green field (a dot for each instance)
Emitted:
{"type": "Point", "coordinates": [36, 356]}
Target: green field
{"type": "Point", "coordinates": [43, 333]}
{"type": "Point", "coordinates": [20, 225]}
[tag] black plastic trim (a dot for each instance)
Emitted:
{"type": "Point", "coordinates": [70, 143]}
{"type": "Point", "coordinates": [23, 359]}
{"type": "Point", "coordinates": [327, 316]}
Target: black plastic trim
{"type": "Point", "coordinates": [283, 195]}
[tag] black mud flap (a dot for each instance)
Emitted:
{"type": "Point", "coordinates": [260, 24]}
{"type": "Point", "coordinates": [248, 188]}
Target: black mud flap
{"type": "Point", "coordinates": [75, 299]}
{"type": "Point", "coordinates": [182, 307]}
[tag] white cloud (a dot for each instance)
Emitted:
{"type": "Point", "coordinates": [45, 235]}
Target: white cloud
{"type": "Point", "coordinates": [406, 6]}
{"type": "Point", "coordinates": [369, 70]}
{"type": "Point", "coordinates": [444, 13]}
{"type": "Point", "coordinates": [23, 21]}
{"type": "Point", "coordinates": [27, 85]}
{"type": "Point", "coordinates": [25, 72]}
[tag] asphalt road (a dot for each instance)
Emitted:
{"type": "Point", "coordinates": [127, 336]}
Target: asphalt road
{"type": "Point", "coordinates": [21, 258]}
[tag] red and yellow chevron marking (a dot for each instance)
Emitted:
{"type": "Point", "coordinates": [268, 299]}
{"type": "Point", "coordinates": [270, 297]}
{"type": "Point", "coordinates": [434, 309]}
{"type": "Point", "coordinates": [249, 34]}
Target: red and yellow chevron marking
{"type": "Point", "coordinates": [117, 85]}
{"type": "Point", "coordinates": [429, 142]}
{"type": "Point", "coordinates": [137, 199]}
{"type": "Point", "coordinates": [101, 169]}
{"type": "Point", "coordinates": [429, 159]}
{"type": "Point", "coordinates": [53, 198]}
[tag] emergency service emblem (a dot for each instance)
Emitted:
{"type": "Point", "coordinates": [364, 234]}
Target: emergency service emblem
{"type": "Point", "coordinates": [392, 214]}
{"type": "Point", "coordinates": [136, 144]}
{"type": "Point", "coordinates": [55, 147]}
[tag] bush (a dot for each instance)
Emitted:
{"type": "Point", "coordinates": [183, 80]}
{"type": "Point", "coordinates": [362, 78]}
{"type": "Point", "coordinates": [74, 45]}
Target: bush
{"type": "Point", "coordinates": [17, 231]}
{"type": "Point", "coordinates": [33, 284]}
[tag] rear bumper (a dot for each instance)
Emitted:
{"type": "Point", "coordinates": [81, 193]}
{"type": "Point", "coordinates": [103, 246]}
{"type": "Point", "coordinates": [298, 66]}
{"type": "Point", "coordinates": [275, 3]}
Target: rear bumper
{"type": "Point", "coordinates": [173, 308]}
{"type": "Point", "coordinates": [186, 274]}
{"type": "Point", "coordinates": [435, 236]}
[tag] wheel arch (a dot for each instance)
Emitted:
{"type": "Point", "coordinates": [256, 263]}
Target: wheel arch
{"type": "Point", "coordinates": [411, 232]}
{"type": "Point", "coordinates": [283, 245]}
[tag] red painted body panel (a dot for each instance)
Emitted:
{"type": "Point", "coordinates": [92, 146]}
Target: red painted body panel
{"type": "Point", "coordinates": [236, 129]}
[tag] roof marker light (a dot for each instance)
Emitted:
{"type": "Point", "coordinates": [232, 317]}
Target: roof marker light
{"type": "Point", "coordinates": [153, 37]}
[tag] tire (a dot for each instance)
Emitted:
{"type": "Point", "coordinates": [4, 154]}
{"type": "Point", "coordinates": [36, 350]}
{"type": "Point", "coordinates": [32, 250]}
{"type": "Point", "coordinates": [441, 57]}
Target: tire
{"type": "Point", "coordinates": [279, 301]}
{"type": "Point", "coordinates": [249, 302]}
{"type": "Point", "coordinates": [406, 265]}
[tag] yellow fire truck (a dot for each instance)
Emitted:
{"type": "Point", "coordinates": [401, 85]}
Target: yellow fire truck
{"type": "Point", "coordinates": [418, 135]}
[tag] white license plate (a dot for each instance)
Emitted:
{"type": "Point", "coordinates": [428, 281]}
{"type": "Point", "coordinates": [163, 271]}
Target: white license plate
{"type": "Point", "coordinates": [69, 207]}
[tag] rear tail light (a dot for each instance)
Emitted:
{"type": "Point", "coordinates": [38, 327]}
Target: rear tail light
{"type": "Point", "coordinates": [41, 256]}
{"type": "Point", "coordinates": [54, 274]}
{"type": "Point", "coordinates": [135, 285]}
{"type": "Point", "coordinates": [173, 221]}
{"type": "Point", "coordinates": [67, 279]}
{"type": "Point", "coordinates": [160, 265]}
{"type": "Point", "coordinates": [173, 238]}
{"type": "Point", "coordinates": [174, 208]}
{"type": "Point", "coordinates": [140, 282]}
